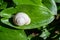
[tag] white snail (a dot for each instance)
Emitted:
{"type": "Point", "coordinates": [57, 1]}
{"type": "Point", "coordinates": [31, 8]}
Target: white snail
{"type": "Point", "coordinates": [21, 19]}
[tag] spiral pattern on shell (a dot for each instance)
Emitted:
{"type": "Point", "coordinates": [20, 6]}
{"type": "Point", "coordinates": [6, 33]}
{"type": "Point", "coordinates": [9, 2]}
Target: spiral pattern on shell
{"type": "Point", "coordinates": [21, 19]}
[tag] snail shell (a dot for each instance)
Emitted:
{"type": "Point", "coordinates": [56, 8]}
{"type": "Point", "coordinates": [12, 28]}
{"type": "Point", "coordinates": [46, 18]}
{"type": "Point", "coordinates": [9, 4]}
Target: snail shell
{"type": "Point", "coordinates": [21, 19]}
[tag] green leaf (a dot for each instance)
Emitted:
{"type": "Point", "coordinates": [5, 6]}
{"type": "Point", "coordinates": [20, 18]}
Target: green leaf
{"type": "Point", "coordinates": [45, 34]}
{"type": "Point", "coordinates": [51, 5]}
{"type": "Point", "coordinates": [57, 1]}
{"type": "Point", "coordinates": [12, 34]}
{"type": "Point", "coordinates": [27, 2]}
{"type": "Point", "coordinates": [39, 15]}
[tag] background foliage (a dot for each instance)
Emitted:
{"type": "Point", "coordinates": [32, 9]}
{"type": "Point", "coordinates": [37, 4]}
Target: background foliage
{"type": "Point", "coordinates": [47, 27]}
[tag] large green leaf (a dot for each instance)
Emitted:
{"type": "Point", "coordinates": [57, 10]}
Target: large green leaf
{"type": "Point", "coordinates": [39, 15]}
{"type": "Point", "coordinates": [12, 34]}
{"type": "Point", "coordinates": [28, 2]}
{"type": "Point", "coordinates": [50, 4]}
